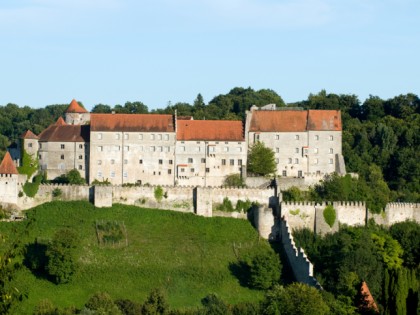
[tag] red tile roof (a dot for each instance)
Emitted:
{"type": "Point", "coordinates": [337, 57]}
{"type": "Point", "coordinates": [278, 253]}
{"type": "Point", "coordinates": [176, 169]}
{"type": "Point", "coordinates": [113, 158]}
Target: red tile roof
{"type": "Point", "coordinates": [74, 107]}
{"type": "Point", "coordinates": [7, 166]}
{"type": "Point", "coordinates": [60, 122]}
{"type": "Point", "coordinates": [132, 122]}
{"type": "Point", "coordinates": [295, 120]}
{"type": "Point", "coordinates": [65, 133]}
{"type": "Point", "coordinates": [278, 121]}
{"type": "Point", "coordinates": [369, 302]}
{"type": "Point", "coordinates": [209, 130]}
{"type": "Point", "coordinates": [29, 135]}
{"type": "Point", "coordinates": [324, 120]}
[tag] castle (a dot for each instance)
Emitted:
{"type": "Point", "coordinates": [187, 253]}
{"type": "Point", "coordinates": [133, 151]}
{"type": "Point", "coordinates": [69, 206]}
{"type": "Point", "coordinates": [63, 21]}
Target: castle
{"type": "Point", "coordinates": [162, 149]}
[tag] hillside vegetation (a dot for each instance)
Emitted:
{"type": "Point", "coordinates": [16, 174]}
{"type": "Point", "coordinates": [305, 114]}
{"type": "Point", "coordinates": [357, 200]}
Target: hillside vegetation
{"type": "Point", "coordinates": [185, 255]}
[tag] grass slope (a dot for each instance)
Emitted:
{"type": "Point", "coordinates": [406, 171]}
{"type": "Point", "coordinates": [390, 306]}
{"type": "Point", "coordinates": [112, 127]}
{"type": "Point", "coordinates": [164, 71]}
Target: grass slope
{"type": "Point", "coordinates": [186, 255]}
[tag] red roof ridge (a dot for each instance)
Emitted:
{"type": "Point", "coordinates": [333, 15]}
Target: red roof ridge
{"type": "Point", "coordinates": [7, 166]}
{"type": "Point", "coordinates": [367, 297]}
{"type": "Point", "coordinates": [60, 122]}
{"type": "Point", "coordinates": [74, 107]}
{"type": "Point", "coordinates": [29, 135]}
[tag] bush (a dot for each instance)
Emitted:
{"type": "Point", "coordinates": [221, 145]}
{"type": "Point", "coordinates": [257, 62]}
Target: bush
{"type": "Point", "coordinates": [329, 215]}
{"type": "Point", "coordinates": [243, 206]}
{"type": "Point", "coordinates": [226, 205]}
{"type": "Point", "coordinates": [159, 193]}
{"type": "Point", "coordinates": [155, 303]}
{"type": "Point", "coordinates": [72, 177]}
{"type": "Point", "coordinates": [234, 180]}
{"type": "Point", "coordinates": [102, 303]}
{"type": "Point", "coordinates": [214, 305]}
{"type": "Point", "coordinates": [30, 189]}
{"type": "Point", "coordinates": [61, 256]}
{"type": "Point", "coordinates": [57, 192]}
{"type": "Point", "coordinates": [128, 307]}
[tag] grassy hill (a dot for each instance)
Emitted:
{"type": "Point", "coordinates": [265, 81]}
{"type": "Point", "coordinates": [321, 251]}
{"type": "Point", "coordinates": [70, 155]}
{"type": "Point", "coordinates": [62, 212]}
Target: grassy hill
{"type": "Point", "coordinates": [185, 255]}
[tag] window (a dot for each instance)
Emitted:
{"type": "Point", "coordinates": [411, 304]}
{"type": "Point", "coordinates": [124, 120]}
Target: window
{"type": "Point", "coordinates": [99, 174]}
{"type": "Point", "coordinates": [170, 162]}
{"type": "Point", "coordinates": [126, 136]}
{"type": "Point", "coordinates": [223, 161]}
{"type": "Point", "coordinates": [80, 167]}
{"type": "Point", "coordinates": [212, 149]}
{"type": "Point", "coordinates": [203, 160]}
{"type": "Point", "coordinates": [126, 148]}
{"type": "Point", "coordinates": [99, 162]}
{"type": "Point", "coordinates": [159, 137]}
{"type": "Point", "coordinates": [112, 174]}
{"type": "Point", "coordinates": [331, 161]}
{"type": "Point", "coordinates": [166, 137]}
{"type": "Point", "coordinates": [296, 161]}
{"type": "Point", "coordinates": [316, 137]}
{"type": "Point", "coordinates": [207, 170]}
{"type": "Point", "coordinates": [239, 162]}
{"type": "Point", "coordinates": [239, 149]}
{"type": "Point", "coordinates": [80, 157]}
{"type": "Point", "coordinates": [198, 142]}
{"type": "Point", "coordinates": [277, 137]}
{"type": "Point", "coordinates": [160, 149]}
{"type": "Point", "coordinates": [296, 150]}
{"type": "Point", "coordinates": [152, 137]}
{"type": "Point", "coordinates": [226, 149]}
{"type": "Point", "coordinates": [40, 145]}
{"type": "Point", "coordinates": [80, 146]}
{"type": "Point", "coordinates": [152, 149]}
{"type": "Point", "coordinates": [182, 170]}
{"type": "Point", "coordinates": [232, 162]}
{"type": "Point", "coordinates": [192, 170]}
{"type": "Point", "coordinates": [125, 174]}
{"type": "Point", "coordinates": [30, 145]}
{"type": "Point", "coordinates": [290, 161]}
{"type": "Point", "coordinates": [117, 136]}
{"type": "Point", "coordinates": [316, 150]}
{"type": "Point", "coordinates": [40, 156]}
{"type": "Point", "coordinates": [315, 161]}
{"type": "Point", "coordinates": [296, 137]}
{"type": "Point", "coordinates": [169, 172]}
{"type": "Point", "coordinates": [331, 138]}
{"type": "Point", "coordinates": [284, 173]}
{"type": "Point", "coordinates": [62, 156]}
{"type": "Point", "coordinates": [140, 161]}
{"type": "Point", "coordinates": [182, 149]}
{"type": "Point", "coordinates": [112, 161]}
{"type": "Point", "coordinates": [256, 137]}
{"type": "Point", "coordinates": [62, 146]}
{"type": "Point", "coordinates": [277, 150]}
{"type": "Point", "coordinates": [125, 161]}
{"type": "Point", "coordinates": [167, 149]}
{"type": "Point", "coordinates": [190, 160]}
{"type": "Point", "coordinates": [140, 137]}
{"type": "Point", "coordinates": [198, 149]}
{"type": "Point", "coordinates": [115, 148]}
{"type": "Point", "coordinates": [99, 136]}
{"type": "Point", "coordinates": [331, 151]}
{"type": "Point", "coordinates": [161, 162]}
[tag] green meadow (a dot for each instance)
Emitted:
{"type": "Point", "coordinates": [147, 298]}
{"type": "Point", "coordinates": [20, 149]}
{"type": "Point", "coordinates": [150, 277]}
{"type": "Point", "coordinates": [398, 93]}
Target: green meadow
{"type": "Point", "coordinates": [185, 255]}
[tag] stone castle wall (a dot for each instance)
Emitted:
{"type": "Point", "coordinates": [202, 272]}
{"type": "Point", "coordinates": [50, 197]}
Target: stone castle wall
{"type": "Point", "coordinates": [301, 266]}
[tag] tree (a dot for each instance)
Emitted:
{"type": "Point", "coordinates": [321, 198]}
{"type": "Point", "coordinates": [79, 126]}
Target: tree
{"type": "Point", "coordinates": [214, 305]}
{"type": "Point", "coordinates": [61, 256]}
{"type": "Point", "coordinates": [155, 303]}
{"type": "Point", "coordinates": [295, 299]}
{"type": "Point", "coordinates": [261, 160]}
{"type": "Point", "coordinates": [408, 235]}
{"type": "Point", "coordinates": [102, 304]}
{"type": "Point", "coordinates": [234, 180]}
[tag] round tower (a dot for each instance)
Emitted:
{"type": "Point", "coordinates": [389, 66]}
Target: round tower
{"type": "Point", "coordinates": [76, 114]}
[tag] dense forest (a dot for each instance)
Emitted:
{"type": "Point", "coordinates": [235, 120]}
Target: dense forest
{"type": "Point", "coordinates": [380, 137]}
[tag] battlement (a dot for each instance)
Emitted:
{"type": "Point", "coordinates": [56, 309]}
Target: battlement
{"type": "Point", "coordinates": [402, 205]}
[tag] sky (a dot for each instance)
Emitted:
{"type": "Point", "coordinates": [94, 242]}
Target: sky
{"type": "Point", "coordinates": [161, 51]}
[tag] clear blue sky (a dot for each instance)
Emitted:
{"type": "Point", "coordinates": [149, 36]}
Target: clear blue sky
{"type": "Point", "coordinates": [113, 51]}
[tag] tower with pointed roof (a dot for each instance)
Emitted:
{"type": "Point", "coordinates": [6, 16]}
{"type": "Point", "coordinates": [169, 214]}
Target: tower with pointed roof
{"type": "Point", "coordinates": [76, 114]}
{"type": "Point", "coordinates": [9, 178]}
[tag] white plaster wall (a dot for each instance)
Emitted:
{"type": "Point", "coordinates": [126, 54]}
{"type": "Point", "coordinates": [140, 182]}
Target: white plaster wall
{"type": "Point", "coordinates": [351, 213]}
{"type": "Point", "coordinates": [299, 214]}
{"type": "Point", "coordinates": [8, 188]}
{"type": "Point", "coordinates": [322, 148]}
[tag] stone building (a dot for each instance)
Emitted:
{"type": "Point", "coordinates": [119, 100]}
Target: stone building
{"type": "Point", "coordinates": [64, 147]}
{"type": "Point", "coordinates": [132, 148]}
{"type": "Point", "coordinates": [9, 178]}
{"type": "Point", "coordinates": [209, 150]}
{"type": "Point", "coordinates": [165, 150]}
{"type": "Point", "coordinates": [305, 142]}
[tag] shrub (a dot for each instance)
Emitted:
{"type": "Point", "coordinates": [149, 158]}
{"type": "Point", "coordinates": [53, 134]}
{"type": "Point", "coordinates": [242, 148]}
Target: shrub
{"type": "Point", "coordinates": [234, 180]}
{"type": "Point", "coordinates": [30, 189]}
{"type": "Point", "coordinates": [128, 307]}
{"type": "Point", "coordinates": [102, 303]}
{"type": "Point", "coordinates": [29, 163]}
{"type": "Point", "coordinates": [104, 182]}
{"type": "Point", "coordinates": [329, 215]}
{"type": "Point", "coordinates": [214, 305]}
{"type": "Point", "coordinates": [158, 193]}
{"type": "Point", "coordinates": [61, 255]}
{"type": "Point", "coordinates": [57, 192]}
{"type": "Point", "coordinates": [226, 205]}
{"type": "Point", "coordinates": [243, 206]}
{"type": "Point", "coordinates": [155, 303]}
{"type": "Point", "coordinates": [45, 307]}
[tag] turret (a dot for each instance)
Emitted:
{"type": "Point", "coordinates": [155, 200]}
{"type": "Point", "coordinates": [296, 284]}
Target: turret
{"type": "Point", "coordinates": [76, 114]}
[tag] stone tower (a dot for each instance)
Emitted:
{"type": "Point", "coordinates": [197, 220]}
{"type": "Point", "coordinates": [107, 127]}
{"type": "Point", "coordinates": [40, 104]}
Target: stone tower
{"type": "Point", "coordinates": [9, 178]}
{"type": "Point", "coordinates": [76, 114]}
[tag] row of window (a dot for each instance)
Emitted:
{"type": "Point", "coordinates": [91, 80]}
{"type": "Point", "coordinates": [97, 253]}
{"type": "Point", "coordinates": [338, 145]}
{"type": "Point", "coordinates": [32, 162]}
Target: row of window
{"type": "Point", "coordinates": [140, 136]}
{"type": "Point", "coordinates": [296, 161]}
{"type": "Point", "coordinates": [316, 150]}
{"type": "Point", "coordinates": [63, 146]}
{"type": "Point", "coordinates": [297, 137]}
{"type": "Point", "coordinates": [211, 148]}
